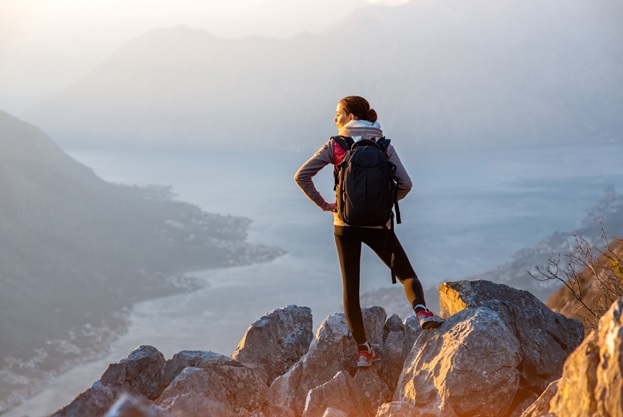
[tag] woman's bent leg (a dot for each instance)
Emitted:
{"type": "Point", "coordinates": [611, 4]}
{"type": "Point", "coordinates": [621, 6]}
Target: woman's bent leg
{"type": "Point", "coordinates": [413, 291]}
{"type": "Point", "coordinates": [376, 240]}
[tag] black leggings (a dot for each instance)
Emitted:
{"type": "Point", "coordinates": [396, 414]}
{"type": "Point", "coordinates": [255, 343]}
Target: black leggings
{"type": "Point", "coordinates": [348, 240]}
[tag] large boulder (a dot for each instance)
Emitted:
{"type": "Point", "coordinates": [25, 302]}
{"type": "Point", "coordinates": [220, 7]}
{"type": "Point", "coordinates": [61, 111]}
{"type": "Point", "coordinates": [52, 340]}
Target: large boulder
{"type": "Point", "coordinates": [192, 405]}
{"type": "Point", "coordinates": [374, 389]}
{"type": "Point", "coordinates": [193, 390]}
{"type": "Point", "coordinates": [333, 350]}
{"type": "Point", "coordinates": [277, 340]}
{"type": "Point", "coordinates": [94, 402]}
{"type": "Point", "coordinates": [192, 358]}
{"type": "Point", "coordinates": [412, 331]}
{"type": "Point", "coordinates": [398, 338]}
{"type": "Point", "coordinates": [141, 374]}
{"type": "Point", "coordinates": [592, 378]}
{"type": "Point", "coordinates": [468, 367]}
{"type": "Point", "coordinates": [216, 380]}
{"type": "Point", "coordinates": [340, 393]}
{"type": "Point", "coordinates": [546, 338]}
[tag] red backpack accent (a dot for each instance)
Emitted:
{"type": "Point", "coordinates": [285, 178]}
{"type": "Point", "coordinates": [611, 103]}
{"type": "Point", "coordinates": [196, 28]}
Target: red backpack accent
{"type": "Point", "coordinates": [338, 154]}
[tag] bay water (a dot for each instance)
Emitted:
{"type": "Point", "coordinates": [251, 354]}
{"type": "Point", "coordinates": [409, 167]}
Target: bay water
{"type": "Point", "coordinates": [469, 211]}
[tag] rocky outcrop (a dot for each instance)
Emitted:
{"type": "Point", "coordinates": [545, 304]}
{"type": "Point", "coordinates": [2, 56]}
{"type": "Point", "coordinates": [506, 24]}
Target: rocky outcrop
{"type": "Point", "coordinates": [339, 393]}
{"type": "Point", "coordinates": [277, 341]}
{"type": "Point", "coordinates": [488, 359]}
{"type": "Point", "coordinates": [332, 351]}
{"type": "Point", "coordinates": [470, 367]}
{"type": "Point", "coordinates": [196, 385]}
{"type": "Point", "coordinates": [545, 338]}
{"type": "Point", "coordinates": [140, 373]}
{"type": "Point", "coordinates": [592, 378]}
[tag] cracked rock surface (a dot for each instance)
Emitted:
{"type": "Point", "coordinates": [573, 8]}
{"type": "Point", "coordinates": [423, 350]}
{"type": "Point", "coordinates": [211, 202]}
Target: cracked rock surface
{"type": "Point", "coordinates": [546, 338]}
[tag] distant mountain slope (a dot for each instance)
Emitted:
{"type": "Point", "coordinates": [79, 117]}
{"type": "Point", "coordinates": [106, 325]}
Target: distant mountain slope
{"type": "Point", "coordinates": [75, 250]}
{"type": "Point", "coordinates": [516, 271]}
{"type": "Point", "coordinates": [440, 73]}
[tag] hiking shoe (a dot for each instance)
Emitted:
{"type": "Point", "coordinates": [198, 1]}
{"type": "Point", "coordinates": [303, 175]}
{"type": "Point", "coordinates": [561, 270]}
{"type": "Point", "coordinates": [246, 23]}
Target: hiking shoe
{"type": "Point", "coordinates": [367, 357]}
{"type": "Point", "coordinates": [428, 320]}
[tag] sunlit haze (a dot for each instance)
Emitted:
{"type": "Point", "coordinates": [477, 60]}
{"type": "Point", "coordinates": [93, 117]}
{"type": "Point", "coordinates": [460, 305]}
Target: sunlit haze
{"type": "Point", "coordinates": [67, 38]}
{"type": "Point", "coordinates": [147, 156]}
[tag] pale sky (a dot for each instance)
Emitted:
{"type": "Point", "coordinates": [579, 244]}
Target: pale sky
{"type": "Point", "coordinates": [47, 44]}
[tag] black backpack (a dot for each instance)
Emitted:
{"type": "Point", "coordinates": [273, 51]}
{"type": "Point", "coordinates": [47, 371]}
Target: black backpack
{"type": "Point", "coordinates": [364, 183]}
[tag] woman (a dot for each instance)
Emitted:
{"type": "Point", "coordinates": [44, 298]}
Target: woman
{"type": "Point", "coordinates": [354, 118]}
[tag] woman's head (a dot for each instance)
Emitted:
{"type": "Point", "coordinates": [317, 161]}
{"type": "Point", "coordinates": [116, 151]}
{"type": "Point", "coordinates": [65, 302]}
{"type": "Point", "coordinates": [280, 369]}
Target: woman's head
{"type": "Point", "coordinates": [353, 108]}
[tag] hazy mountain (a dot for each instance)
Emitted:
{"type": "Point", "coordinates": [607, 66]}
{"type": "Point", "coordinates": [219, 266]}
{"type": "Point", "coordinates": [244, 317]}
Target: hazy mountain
{"type": "Point", "coordinates": [75, 251]}
{"type": "Point", "coordinates": [439, 72]}
{"type": "Point", "coordinates": [606, 216]}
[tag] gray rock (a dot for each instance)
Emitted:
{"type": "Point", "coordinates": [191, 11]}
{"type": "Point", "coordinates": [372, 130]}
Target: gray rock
{"type": "Point", "coordinates": [592, 378]}
{"type": "Point", "coordinates": [277, 340]}
{"type": "Point", "coordinates": [193, 358]}
{"type": "Point", "coordinates": [94, 402]}
{"type": "Point", "coordinates": [393, 352]}
{"type": "Point", "coordinates": [469, 366]}
{"type": "Point", "coordinates": [140, 373]}
{"type": "Point", "coordinates": [412, 331]}
{"type": "Point", "coordinates": [194, 382]}
{"type": "Point", "coordinates": [340, 392]}
{"type": "Point", "coordinates": [132, 406]}
{"type": "Point", "coordinates": [197, 405]}
{"type": "Point", "coordinates": [373, 388]}
{"type": "Point", "coordinates": [244, 385]}
{"type": "Point", "coordinates": [332, 351]}
{"type": "Point", "coordinates": [374, 319]}
{"type": "Point", "coordinates": [546, 337]}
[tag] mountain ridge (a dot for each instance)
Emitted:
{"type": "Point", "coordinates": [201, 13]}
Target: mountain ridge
{"type": "Point", "coordinates": [440, 74]}
{"type": "Point", "coordinates": [76, 252]}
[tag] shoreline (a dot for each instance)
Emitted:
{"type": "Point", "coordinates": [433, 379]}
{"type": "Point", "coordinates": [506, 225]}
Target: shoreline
{"type": "Point", "coordinates": [99, 345]}
{"type": "Point", "coordinates": [38, 382]}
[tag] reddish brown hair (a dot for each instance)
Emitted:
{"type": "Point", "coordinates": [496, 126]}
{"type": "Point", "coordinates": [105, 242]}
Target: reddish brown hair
{"type": "Point", "coordinates": [359, 107]}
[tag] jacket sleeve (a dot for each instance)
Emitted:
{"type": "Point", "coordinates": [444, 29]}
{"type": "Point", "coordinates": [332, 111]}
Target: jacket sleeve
{"type": "Point", "coordinates": [402, 176]}
{"type": "Point", "coordinates": [309, 169]}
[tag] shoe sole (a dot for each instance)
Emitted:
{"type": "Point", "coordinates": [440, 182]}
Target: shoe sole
{"type": "Point", "coordinates": [432, 324]}
{"type": "Point", "coordinates": [366, 364]}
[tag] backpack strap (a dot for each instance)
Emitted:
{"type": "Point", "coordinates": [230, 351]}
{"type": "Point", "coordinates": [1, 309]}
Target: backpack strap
{"type": "Point", "coordinates": [383, 143]}
{"type": "Point", "coordinates": [344, 143]}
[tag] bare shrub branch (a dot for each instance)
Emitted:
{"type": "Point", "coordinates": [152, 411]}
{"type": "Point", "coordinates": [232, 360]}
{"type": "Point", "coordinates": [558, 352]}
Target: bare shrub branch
{"type": "Point", "coordinates": [593, 276]}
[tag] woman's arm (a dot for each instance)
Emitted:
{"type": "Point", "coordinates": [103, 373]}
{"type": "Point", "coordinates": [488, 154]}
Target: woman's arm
{"type": "Point", "coordinates": [404, 181]}
{"type": "Point", "coordinates": [306, 172]}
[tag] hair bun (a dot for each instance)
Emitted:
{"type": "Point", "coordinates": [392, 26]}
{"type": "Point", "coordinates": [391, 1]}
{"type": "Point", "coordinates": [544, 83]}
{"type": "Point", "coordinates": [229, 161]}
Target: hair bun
{"type": "Point", "coordinates": [371, 116]}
